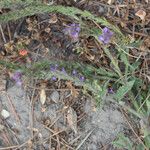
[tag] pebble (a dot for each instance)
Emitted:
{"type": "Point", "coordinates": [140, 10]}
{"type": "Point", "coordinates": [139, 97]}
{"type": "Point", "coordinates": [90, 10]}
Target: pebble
{"type": "Point", "coordinates": [5, 113]}
{"type": "Point", "coordinates": [55, 97]}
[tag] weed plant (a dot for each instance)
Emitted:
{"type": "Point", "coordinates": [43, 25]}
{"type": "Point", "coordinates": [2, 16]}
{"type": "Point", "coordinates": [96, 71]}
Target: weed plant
{"type": "Point", "coordinates": [125, 82]}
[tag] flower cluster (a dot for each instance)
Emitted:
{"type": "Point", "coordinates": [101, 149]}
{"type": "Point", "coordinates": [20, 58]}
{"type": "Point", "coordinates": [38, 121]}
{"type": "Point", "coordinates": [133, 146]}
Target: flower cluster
{"type": "Point", "coordinates": [74, 73]}
{"type": "Point", "coordinates": [17, 78]}
{"type": "Point", "coordinates": [105, 36]}
{"type": "Point", "coordinates": [73, 31]}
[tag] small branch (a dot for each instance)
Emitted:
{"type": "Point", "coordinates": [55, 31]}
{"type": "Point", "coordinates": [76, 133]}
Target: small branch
{"type": "Point", "coordinates": [3, 36]}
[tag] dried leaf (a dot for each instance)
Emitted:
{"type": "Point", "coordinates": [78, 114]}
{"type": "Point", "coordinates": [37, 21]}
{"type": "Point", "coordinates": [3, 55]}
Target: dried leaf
{"type": "Point", "coordinates": [74, 92]}
{"type": "Point", "coordinates": [42, 96]}
{"type": "Point", "coordinates": [110, 2]}
{"type": "Point", "coordinates": [5, 113]}
{"type": "Point", "coordinates": [72, 119]}
{"type": "Point", "coordinates": [9, 46]}
{"type": "Point", "coordinates": [53, 18]}
{"type": "Point", "coordinates": [141, 13]}
{"type": "Point", "coordinates": [47, 30]}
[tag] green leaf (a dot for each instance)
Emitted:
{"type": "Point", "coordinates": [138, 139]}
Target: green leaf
{"type": "Point", "coordinates": [147, 141]}
{"type": "Point", "coordinates": [140, 147]}
{"type": "Point", "coordinates": [123, 90]}
{"type": "Point", "coordinates": [114, 61]}
{"type": "Point", "coordinates": [123, 142]}
{"type": "Point", "coordinates": [148, 106]}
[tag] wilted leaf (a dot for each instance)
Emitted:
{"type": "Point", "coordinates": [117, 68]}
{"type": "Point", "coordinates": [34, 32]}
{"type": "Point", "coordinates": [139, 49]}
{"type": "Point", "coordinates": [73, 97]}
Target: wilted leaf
{"type": "Point", "coordinates": [122, 91]}
{"type": "Point", "coordinates": [5, 113]}
{"type": "Point", "coordinates": [141, 13]}
{"type": "Point", "coordinates": [72, 119]}
{"type": "Point", "coordinates": [53, 18]}
{"type": "Point", "coordinates": [74, 92]}
{"type": "Point", "coordinates": [42, 96]}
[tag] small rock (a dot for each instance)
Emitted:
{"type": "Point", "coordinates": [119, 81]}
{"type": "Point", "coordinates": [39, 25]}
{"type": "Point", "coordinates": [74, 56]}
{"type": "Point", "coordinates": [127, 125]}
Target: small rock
{"type": "Point", "coordinates": [5, 113]}
{"type": "Point", "coordinates": [55, 96]}
{"type": "Point", "coordinates": [101, 10]}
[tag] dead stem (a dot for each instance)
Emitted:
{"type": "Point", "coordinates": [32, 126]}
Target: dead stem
{"type": "Point", "coordinates": [9, 33]}
{"type": "Point", "coordinates": [13, 108]}
{"type": "Point", "coordinates": [127, 120]}
{"type": "Point", "coordinates": [82, 142]}
{"type": "Point", "coordinates": [3, 36]}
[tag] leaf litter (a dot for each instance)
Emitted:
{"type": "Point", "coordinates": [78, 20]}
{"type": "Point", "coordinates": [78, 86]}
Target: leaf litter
{"type": "Point", "coordinates": [38, 119]}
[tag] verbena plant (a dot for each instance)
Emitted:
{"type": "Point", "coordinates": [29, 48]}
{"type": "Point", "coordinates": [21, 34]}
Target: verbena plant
{"type": "Point", "coordinates": [97, 79]}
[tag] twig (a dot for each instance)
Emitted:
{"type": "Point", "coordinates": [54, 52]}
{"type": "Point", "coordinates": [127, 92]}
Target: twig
{"type": "Point", "coordinates": [13, 108]}
{"type": "Point", "coordinates": [31, 112]}
{"type": "Point", "coordinates": [56, 134]}
{"type": "Point", "coordinates": [85, 139]}
{"type": "Point", "coordinates": [125, 116]}
{"type": "Point", "coordinates": [143, 103]}
{"type": "Point", "coordinates": [6, 138]}
{"type": "Point", "coordinates": [58, 142]}
{"type": "Point", "coordinates": [74, 140]}
{"type": "Point", "coordinates": [3, 36]}
{"type": "Point", "coordinates": [8, 148]}
{"type": "Point", "coordinates": [9, 33]}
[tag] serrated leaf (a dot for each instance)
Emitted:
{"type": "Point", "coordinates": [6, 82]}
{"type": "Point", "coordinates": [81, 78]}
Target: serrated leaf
{"type": "Point", "coordinates": [114, 61]}
{"type": "Point", "coordinates": [123, 90]}
{"type": "Point", "coordinates": [123, 142]}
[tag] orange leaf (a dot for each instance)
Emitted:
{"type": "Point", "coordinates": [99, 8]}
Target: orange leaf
{"type": "Point", "coordinates": [23, 52]}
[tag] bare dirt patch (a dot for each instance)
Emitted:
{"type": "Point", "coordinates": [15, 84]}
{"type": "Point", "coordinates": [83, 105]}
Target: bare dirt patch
{"type": "Point", "coordinates": [49, 120]}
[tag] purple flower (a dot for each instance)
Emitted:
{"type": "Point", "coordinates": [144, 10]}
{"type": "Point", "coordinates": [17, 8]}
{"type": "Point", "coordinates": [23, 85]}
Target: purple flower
{"type": "Point", "coordinates": [110, 90]}
{"type": "Point", "coordinates": [105, 36]}
{"type": "Point", "coordinates": [74, 72]}
{"type": "Point", "coordinates": [53, 67]}
{"type": "Point", "coordinates": [19, 82]}
{"type": "Point", "coordinates": [17, 78]}
{"type": "Point", "coordinates": [82, 78]}
{"type": "Point", "coordinates": [73, 31]}
{"type": "Point", "coordinates": [54, 78]}
{"type": "Point", "coordinates": [63, 70]}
